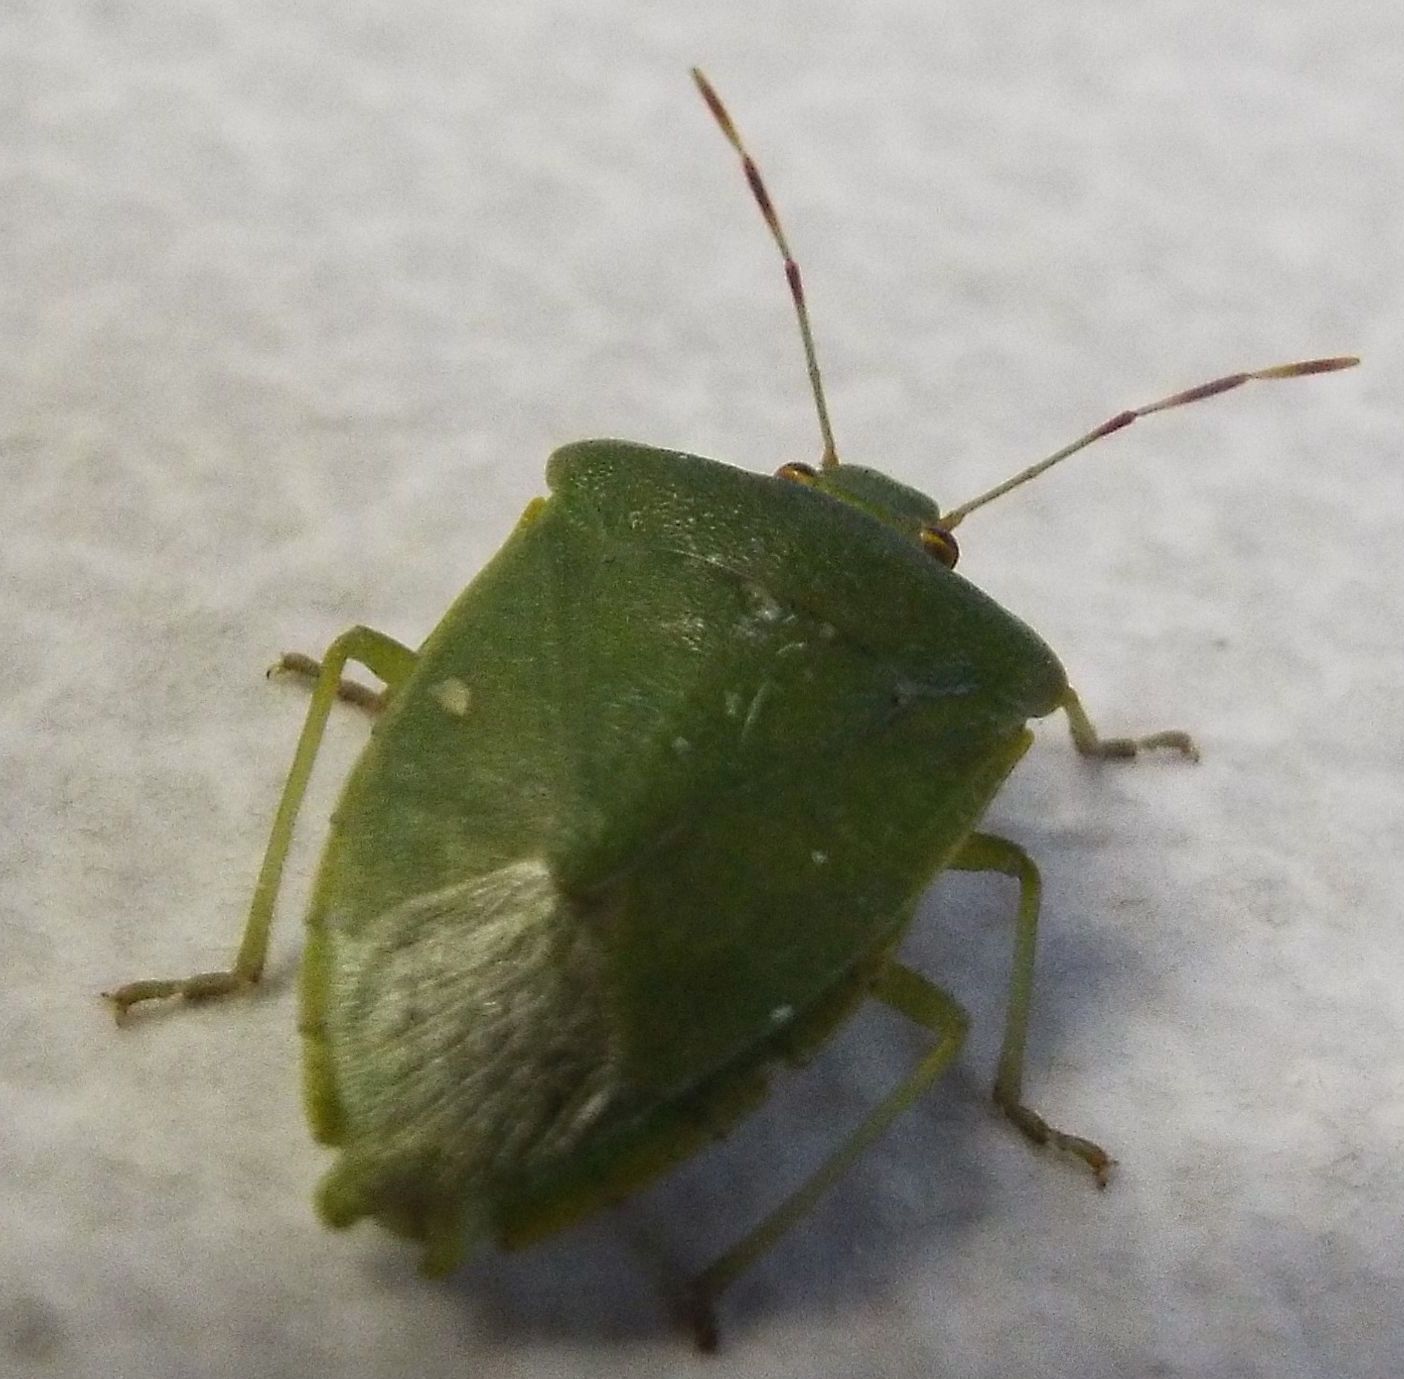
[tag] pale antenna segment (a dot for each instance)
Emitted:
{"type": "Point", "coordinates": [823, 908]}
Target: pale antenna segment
{"type": "Point", "coordinates": [1196, 394]}
{"type": "Point", "coordinates": [792, 273]}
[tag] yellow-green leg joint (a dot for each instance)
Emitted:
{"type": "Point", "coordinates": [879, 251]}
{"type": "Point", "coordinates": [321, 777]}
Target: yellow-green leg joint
{"type": "Point", "coordinates": [384, 657]}
{"type": "Point", "coordinates": [1089, 744]}
{"type": "Point", "coordinates": [309, 670]}
{"type": "Point", "coordinates": [919, 1000]}
{"type": "Point", "coordinates": [985, 852]}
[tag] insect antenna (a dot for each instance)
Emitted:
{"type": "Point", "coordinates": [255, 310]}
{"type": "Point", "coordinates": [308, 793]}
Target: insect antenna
{"type": "Point", "coordinates": [792, 272]}
{"type": "Point", "coordinates": [1196, 394]}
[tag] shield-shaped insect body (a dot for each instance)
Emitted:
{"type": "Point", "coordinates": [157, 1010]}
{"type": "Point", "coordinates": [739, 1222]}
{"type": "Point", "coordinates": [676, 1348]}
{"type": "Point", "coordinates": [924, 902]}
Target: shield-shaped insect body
{"type": "Point", "coordinates": [647, 812]}
{"type": "Point", "coordinates": [649, 782]}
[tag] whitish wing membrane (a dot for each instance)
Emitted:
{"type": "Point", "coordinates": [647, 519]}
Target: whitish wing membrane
{"type": "Point", "coordinates": [466, 1039]}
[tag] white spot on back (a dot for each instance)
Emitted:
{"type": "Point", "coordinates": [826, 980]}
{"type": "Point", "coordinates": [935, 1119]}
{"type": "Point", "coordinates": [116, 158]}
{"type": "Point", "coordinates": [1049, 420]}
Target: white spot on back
{"type": "Point", "coordinates": [765, 607]}
{"type": "Point", "coordinates": [452, 695]}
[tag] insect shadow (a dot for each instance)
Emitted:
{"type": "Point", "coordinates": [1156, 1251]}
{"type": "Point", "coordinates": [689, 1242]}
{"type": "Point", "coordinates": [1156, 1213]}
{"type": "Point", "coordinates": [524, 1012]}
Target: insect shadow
{"type": "Point", "coordinates": [916, 1199]}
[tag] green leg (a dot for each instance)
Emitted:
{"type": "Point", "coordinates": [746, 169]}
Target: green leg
{"type": "Point", "coordinates": [913, 996]}
{"type": "Point", "coordinates": [309, 670]}
{"type": "Point", "coordinates": [985, 852]}
{"type": "Point", "coordinates": [384, 657]}
{"type": "Point", "coordinates": [1089, 744]}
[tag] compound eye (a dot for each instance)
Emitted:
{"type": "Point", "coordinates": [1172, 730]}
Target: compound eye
{"type": "Point", "coordinates": [798, 473]}
{"type": "Point", "coordinates": [940, 543]}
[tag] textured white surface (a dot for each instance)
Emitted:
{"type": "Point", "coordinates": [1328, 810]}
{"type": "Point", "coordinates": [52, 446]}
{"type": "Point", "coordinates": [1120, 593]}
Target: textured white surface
{"type": "Point", "coordinates": [297, 299]}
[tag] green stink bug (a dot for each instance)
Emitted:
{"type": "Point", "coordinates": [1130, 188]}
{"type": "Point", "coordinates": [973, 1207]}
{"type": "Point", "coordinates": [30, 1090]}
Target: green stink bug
{"type": "Point", "coordinates": [592, 877]}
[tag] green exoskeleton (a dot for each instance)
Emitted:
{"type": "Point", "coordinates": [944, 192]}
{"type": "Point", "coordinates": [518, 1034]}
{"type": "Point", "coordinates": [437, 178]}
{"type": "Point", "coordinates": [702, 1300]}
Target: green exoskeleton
{"type": "Point", "coordinates": [647, 813]}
